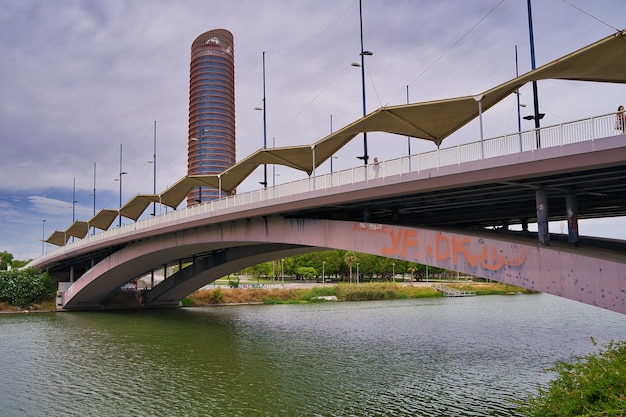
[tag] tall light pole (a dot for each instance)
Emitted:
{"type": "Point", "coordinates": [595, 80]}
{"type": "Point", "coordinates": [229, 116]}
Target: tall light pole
{"type": "Point", "coordinates": [519, 116]}
{"type": "Point", "coordinates": [332, 156]}
{"type": "Point", "coordinates": [365, 156]}
{"type": "Point", "coordinates": [357, 272]}
{"type": "Point", "coordinates": [154, 168]}
{"type": "Point", "coordinates": [536, 115]}
{"type": "Point", "coordinates": [121, 173]}
{"type": "Point", "coordinates": [323, 275]}
{"type": "Point", "coordinates": [331, 132]}
{"type": "Point", "coordinates": [43, 236]}
{"type": "Point", "coordinates": [408, 138]}
{"type": "Point", "coordinates": [274, 165]}
{"type": "Point", "coordinates": [264, 183]}
{"type": "Point", "coordinates": [479, 99]}
{"type": "Point", "coordinates": [74, 202]}
{"type": "Point", "coordinates": [94, 188]}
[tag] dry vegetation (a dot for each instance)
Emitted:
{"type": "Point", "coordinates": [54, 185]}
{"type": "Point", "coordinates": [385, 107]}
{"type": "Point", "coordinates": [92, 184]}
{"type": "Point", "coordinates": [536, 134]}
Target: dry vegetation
{"type": "Point", "coordinates": [343, 292]}
{"type": "Point", "coordinates": [242, 295]}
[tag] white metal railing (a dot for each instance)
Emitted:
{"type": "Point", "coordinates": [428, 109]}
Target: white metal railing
{"type": "Point", "coordinates": [551, 136]}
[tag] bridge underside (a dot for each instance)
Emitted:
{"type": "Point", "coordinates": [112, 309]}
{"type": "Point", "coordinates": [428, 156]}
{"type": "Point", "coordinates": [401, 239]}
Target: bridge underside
{"type": "Point", "coordinates": [210, 252]}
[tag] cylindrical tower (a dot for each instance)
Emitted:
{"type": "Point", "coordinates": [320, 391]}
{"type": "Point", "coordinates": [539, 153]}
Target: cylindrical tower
{"type": "Point", "coordinates": [211, 141]}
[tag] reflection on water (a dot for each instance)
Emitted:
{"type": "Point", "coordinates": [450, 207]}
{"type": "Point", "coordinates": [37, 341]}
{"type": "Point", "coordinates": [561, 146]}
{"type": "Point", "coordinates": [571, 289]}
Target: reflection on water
{"type": "Point", "coordinates": [436, 357]}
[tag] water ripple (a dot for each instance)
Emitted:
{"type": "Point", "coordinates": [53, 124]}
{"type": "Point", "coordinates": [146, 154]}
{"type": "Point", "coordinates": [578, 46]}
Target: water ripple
{"type": "Point", "coordinates": [464, 357]}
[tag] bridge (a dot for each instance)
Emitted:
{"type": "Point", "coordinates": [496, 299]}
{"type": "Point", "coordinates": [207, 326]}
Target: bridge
{"type": "Point", "coordinates": [464, 208]}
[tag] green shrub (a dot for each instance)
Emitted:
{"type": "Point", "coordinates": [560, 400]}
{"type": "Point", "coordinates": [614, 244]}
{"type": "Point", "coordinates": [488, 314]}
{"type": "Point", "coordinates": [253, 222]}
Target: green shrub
{"type": "Point", "coordinates": [186, 302]}
{"type": "Point", "coordinates": [217, 296]}
{"type": "Point", "coordinates": [23, 287]}
{"type": "Point", "coordinates": [589, 386]}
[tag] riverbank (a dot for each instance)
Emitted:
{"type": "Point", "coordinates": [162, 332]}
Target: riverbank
{"type": "Point", "coordinates": [307, 293]}
{"type": "Point", "coordinates": [300, 293]}
{"type": "Point", "coordinates": [43, 307]}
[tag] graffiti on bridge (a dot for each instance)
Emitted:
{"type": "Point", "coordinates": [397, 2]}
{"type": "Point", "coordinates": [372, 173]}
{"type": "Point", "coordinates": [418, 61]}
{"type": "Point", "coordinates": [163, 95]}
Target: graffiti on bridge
{"type": "Point", "coordinates": [425, 245]}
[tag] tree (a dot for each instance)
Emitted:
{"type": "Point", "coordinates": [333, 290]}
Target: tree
{"type": "Point", "coordinates": [350, 259]}
{"type": "Point", "coordinates": [306, 272]}
{"type": "Point", "coordinates": [260, 270]}
{"type": "Point", "coordinates": [6, 259]}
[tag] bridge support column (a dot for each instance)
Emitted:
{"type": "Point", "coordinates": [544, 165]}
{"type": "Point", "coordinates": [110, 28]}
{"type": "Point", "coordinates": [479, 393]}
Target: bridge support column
{"type": "Point", "coordinates": [71, 273]}
{"type": "Point", "coordinates": [572, 218]}
{"type": "Point", "coordinates": [541, 199]}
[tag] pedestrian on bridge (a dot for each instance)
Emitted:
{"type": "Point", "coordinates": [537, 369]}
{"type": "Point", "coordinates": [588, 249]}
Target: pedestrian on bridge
{"type": "Point", "coordinates": [621, 119]}
{"type": "Point", "coordinates": [376, 167]}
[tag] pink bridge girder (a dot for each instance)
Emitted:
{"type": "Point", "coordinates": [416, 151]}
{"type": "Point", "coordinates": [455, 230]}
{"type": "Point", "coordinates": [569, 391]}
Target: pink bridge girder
{"type": "Point", "coordinates": [596, 278]}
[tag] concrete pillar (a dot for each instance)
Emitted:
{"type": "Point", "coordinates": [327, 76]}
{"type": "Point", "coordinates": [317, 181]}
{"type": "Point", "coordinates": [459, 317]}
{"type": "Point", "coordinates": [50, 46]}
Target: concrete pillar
{"type": "Point", "coordinates": [541, 200]}
{"type": "Point", "coordinates": [71, 273]}
{"type": "Point", "coordinates": [572, 218]}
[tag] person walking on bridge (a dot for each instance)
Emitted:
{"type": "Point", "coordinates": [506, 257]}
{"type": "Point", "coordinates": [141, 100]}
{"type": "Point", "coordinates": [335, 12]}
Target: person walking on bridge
{"type": "Point", "coordinates": [621, 119]}
{"type": "Point", "coordinates": [376, 168]}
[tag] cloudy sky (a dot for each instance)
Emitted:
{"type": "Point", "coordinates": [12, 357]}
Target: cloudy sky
{"type": "Point", "coordinates": [79, 78]}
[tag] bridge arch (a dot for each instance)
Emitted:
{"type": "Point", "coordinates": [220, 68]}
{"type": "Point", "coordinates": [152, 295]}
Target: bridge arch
{"type": "Point", "coordinates": [559, 270]}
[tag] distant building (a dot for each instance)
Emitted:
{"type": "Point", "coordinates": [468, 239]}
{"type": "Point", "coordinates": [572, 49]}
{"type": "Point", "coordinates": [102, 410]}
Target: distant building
{"type": "Point", "coordinates": [211, 142]}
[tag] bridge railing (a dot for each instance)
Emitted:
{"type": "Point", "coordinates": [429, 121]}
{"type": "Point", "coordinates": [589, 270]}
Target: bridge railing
{"type": "Point", "coordinates": [551, 136]}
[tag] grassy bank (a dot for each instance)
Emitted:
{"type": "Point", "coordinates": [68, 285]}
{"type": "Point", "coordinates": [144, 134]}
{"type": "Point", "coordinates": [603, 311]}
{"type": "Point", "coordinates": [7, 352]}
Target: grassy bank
{"type": "Point", "coordinates": [343, 292]}
{"type": "Point", "coordinates": [48, 305]}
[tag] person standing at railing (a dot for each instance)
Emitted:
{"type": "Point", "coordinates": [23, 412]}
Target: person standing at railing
{"type": "Point", "coordinates": [621, 119]}
{"type": "Point", "coordinates": [376, 168]}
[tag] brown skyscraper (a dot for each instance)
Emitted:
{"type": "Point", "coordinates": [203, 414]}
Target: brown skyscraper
{"type": "Point", "coordinates": [211, 142]}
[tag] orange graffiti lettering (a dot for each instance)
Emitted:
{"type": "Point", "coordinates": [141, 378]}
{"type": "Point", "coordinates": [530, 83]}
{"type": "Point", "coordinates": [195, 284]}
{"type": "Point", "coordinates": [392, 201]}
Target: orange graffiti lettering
{"type": "Point", "coordinates": [497, 262]}
{"type": "Point", "coordinates": [440, 256]}
{"type": "Point", "coordinates": [395, 243]}
{"type": "Point", "coordinates": [410, 241]}
{"type": "Point", "coordinates": [452, 248]}
{"type": "Point", "coordinates": [459, 246]}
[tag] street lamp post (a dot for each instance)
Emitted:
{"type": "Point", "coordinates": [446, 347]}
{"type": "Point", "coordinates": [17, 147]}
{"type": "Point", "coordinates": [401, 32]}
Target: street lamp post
{"type": "Point", "coordinates": [332, 156]}
{"type": "Point", "coordinates": [282, 270]}
{"type": "Point", "coordinates": [357, 272]}
{"type": "Point", "coordinates": [519, 118]}
{"type": "Point", "coordinates": [393, 272]}
{"type": "Point", "coordinates": [408, 138]}
{"type": "Point", "coordinates": [120, 179]}
{"type": "Point", "coordinates": [43, 236]}
{"type": "Point", "coordinates": [323, 275]}
{"type": "Point", "coordinates": [273, 165]}
{"type": "Point", "coordinates": [74, 202]}
{"type": "Point", "coordinates": [154, 168]}
{"type": "Point", "coordinates": [479, 99]}
{"type": "Point", "coordinates": [264, 183]}
{"type": "Point", "coordinates": [365, 156]}
{"type": "Point", "coordinates": [93, 229]}
{"type": "Point", "coordinates": [537, 116]}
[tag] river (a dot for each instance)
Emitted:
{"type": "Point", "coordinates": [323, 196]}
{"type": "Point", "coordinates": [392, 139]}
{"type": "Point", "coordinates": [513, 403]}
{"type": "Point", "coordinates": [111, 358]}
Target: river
{"type": "Point", "coordinates": [468, 356]}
